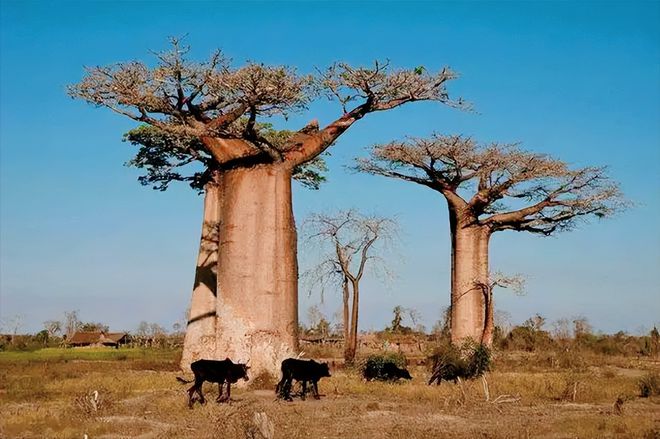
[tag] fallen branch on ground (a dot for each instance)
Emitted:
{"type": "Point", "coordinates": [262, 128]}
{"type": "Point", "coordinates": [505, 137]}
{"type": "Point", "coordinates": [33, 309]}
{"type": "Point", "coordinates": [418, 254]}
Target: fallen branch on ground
{"type": "Point", "coordinates": [503, 399]}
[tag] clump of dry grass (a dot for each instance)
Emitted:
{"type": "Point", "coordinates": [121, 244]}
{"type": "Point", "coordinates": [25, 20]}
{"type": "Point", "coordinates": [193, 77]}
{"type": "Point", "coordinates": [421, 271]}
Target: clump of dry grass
{"type": "Point", "coordinates": [649, 385]}
{"type": "Point", "coordinates": [609, 372]}
{"type": "Point", "coordinates": [450, 363]}
{"type": "Point", "coordinates": [573, 381]}
{"type": "Point", "coordinates": [93, 403]}
{"type": "Point", "coordinates": [263, 381]}
{"type": "Point", "coordinates": [323, 351]}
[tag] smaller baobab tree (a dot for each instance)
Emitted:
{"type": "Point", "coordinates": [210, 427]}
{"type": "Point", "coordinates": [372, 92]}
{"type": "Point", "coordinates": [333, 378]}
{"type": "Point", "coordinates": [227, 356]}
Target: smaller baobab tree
{"type": "Point", "coordinates": [490, 188]}
{"type": "Point", "coordinates": [348, 243]}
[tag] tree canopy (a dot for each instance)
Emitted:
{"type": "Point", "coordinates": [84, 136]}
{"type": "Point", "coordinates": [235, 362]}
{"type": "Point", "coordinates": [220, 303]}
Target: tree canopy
{"type": "Point", "coordinates": [347, 241]}
{"type": "Point", "coordinates": [167, 157]}
{"type": "Point", "coordinates": [499, 186]}
{"type": "Point", "coordinates": [222, 105]}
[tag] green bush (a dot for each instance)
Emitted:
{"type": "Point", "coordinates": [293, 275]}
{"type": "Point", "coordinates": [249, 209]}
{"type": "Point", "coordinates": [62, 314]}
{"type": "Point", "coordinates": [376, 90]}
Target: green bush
{"type": "Point", "coordinates": [380, 359]}
{"type": "Point", "coordinates": [374, 367]}
{"type": "Point", "coordinates": [449, 363]}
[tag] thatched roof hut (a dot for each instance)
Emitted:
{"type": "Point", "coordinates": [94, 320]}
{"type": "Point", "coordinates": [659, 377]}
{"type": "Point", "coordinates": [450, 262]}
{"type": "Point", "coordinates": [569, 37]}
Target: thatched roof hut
{"type": "Point", "coordinates": [112, 339]}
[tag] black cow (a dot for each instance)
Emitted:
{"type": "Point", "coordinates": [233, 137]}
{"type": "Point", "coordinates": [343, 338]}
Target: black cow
{"type": "Point", "coordinates": [214, 371]}
{"type": "Point", "coordinates": [302, 371]}
{"type": "Point", "coordinates": [387, 371]}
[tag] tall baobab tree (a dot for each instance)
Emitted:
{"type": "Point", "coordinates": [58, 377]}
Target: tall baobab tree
{"type": "Point", "coordinates": [160, 156]}
{"type": "Point", "coordinates": [349, 242]}
{"type": "Point", "coordinates": [491, 188]}
{"type": "Point", "coordinates": [247, 308]}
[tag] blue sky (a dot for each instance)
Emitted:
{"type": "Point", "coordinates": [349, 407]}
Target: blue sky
{"type": "Point", "coordinates": [580, 81]}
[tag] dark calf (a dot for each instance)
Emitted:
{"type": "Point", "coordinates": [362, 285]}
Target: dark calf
{"type": "Point", "coordinates": [302, 371]}
{"type": "Point", "coordinates": [214, 371]}
{"type": "Point", "coordinates": [387, 371]}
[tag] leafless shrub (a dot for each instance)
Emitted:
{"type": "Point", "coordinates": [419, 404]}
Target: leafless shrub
{"type": "Point", "coordinates": [571, 387]}
{"type": "Point", "coordinates": [93, 403]}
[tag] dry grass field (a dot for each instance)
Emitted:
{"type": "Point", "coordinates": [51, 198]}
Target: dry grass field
{"type": "Point", "coordinates": [46, 394]}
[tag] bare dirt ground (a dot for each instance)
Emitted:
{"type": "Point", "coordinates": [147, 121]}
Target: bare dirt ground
{"type": "Point", "coordinates": [142, 399]}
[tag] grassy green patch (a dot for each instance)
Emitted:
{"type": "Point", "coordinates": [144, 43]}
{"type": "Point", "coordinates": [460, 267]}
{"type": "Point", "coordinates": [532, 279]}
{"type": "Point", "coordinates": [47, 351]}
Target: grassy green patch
{"type": "Point", "coordinates": [89, 354]}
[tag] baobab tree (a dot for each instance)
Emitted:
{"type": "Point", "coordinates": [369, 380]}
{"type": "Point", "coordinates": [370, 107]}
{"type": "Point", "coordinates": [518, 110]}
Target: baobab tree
{"type": "Point", "coordinates": [247, 306]}
{"type": "Point", "coordinates": [490, 188]}
{"type": "Point", "coordinates": [162, 156]}
{"type": "Point", "coordinates": [348, 243]}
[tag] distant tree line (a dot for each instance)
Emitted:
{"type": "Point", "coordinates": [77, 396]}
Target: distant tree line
{"type": "Point", "coordinates": [56, 332]}
{"type": "Point", "coordinates": [534, 335]}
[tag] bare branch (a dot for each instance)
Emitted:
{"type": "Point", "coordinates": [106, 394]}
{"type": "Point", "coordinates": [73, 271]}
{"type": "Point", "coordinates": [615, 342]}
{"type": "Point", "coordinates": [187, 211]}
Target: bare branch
{"type": "Point", "coordinates": [210, 99]}
{"type": "Point", "coordinates": [502, 177]}
{"type": "Point", "coordinates": [377, 89]}
{"type": "Point", "coordinates": [343, 236]}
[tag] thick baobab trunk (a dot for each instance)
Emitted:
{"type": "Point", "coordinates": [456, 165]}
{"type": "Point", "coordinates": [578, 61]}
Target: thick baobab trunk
{"type": "Point", "coordinates": [199, 341]}
{"type": "Point", "coordinates": [469, 268]}
{"type": "Point", "coordinates": [257, 301]}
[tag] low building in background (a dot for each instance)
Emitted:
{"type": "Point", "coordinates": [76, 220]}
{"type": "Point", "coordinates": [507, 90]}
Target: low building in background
{"type": "Point", "coordinates": [98, 339]}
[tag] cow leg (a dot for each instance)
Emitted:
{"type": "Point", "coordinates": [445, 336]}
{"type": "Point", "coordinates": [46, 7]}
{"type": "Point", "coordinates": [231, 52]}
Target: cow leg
{"type": "Point", "coordinates": [316, 389]}
{"type": "Point", "coordinates": [199, 392]}
{"type": "Point", "coordinates": [280, 387]}
{"type": "Point", "coordinates": [191, 396]}
{"type": "Point", "coordinates": [228, 395]}
{"type": "Point", "coordinates": [283, 388]}
{"type": "Point", "coordinates": [220, 392]}
{"type": "Point", "coordinates": [304, 390]}
{"type": "Point", "coordinates": [287, 389]}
